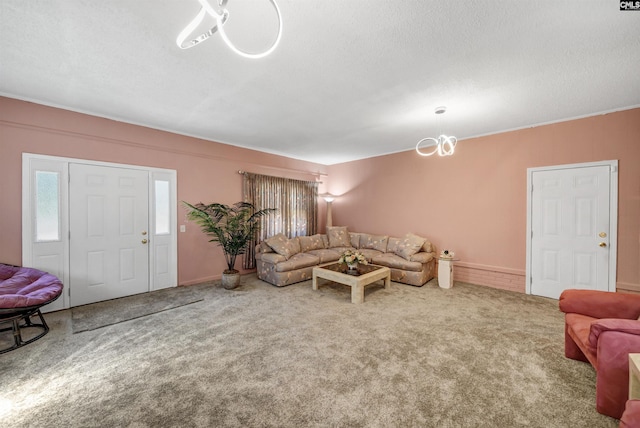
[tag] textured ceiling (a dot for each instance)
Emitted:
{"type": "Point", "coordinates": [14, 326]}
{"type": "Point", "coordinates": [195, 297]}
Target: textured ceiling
{"type": "Point", "coordinates": [349, 80]}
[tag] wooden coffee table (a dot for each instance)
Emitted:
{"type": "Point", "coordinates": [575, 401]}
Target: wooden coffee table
{"type": "Point", "coordinates": [365, 275]}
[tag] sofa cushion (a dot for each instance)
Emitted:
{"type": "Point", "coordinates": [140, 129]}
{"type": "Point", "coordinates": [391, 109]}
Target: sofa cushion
{"type": "Point", "coordinates": [297, 261]}
{"type": "Point", "coordinates": [338, 236]}
{"type": "Point", "coordinates": [326, 255]}
{"type": "Point", "coordinates": [342, 250]}
{"type": "Point", "coordinates": [369, 254]}
{"type": "Point", "coordinates": [579, 327]}
{"type": "Point", "coordinates": [409, 246]}
{"type": "Point", "coordinates": [284, 246]}
{"type": "Point", "coordinates": [391, 260]}
{"type": "Point", "coordinates": [21, 287]}
{"type": "Point", "coordinates": [374, 242]}
{"type": "Point", "coordinates": [308, 243]}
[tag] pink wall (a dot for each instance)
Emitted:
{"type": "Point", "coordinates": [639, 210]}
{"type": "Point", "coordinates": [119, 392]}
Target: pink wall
{"type": "Point", "coordinates": [475, 201]}
{"type": "Point", "coordinates": [206, 171]}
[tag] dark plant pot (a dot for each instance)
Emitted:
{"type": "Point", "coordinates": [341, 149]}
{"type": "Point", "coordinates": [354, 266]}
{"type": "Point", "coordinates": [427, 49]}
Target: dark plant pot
{"type": "Point", "coordinates": [231, 280]}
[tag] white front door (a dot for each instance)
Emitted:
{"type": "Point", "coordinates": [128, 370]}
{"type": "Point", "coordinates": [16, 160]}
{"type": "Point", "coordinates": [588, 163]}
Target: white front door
{"type": "Point", "coordinates": [109, 223]}
{"type": "Point", "coordinates": [571, 229]}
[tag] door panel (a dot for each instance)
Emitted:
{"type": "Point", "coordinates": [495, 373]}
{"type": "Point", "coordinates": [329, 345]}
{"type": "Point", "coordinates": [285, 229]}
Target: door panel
{"type": "Point", "coordinates": [570, 211]}
{"type": "Point", "coordinates": [108, 222]}
{"type": "Point", "coordinates": [44, 237]}
{"type": "Point", "coordinates": [163, 231]}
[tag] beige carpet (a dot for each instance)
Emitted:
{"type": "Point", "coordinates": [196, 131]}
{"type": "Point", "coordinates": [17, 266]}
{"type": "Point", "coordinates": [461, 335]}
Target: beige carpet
{"type": "Point", "coordinates": [262, 356]}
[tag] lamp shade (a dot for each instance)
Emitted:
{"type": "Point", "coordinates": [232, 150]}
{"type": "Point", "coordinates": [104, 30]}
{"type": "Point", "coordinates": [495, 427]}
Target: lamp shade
{"type": "Point", "coordinates": [328, 197]}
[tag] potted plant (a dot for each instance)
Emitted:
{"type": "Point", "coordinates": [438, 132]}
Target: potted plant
{"type": "Point", "coordinates": [232, 227]}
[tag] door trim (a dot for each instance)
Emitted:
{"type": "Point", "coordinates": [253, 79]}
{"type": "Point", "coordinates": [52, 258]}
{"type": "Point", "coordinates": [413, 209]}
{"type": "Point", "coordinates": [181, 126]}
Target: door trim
{"type": "Point", "coordinates": [613, 216]}
{"type": "Point", "coordinates": [28, 216]}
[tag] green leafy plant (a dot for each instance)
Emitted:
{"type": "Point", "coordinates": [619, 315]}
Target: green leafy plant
{"type": "Point", "coordinates": [232, 227]}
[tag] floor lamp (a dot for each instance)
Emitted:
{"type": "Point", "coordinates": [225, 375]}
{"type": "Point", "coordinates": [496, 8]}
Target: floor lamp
{"type": "Point", "coordinates": [328, 197]}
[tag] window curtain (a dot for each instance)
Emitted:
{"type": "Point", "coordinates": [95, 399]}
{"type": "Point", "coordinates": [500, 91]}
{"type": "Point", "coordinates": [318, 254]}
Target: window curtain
{"type": "Point", "coordinates": [296, 202]}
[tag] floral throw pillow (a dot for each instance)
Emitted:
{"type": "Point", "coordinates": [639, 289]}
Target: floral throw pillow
{"type": "Point", "coordinates": [265, 248]}
{"type": "Point", "coordinates": [355, 239]}
{"type": "Point", "coordinates": [393, 243]}
{"type": "Point", "coordinates": [374, 242]}
{"type": "Point", "coordinates": [338, 236]}
{"type": "Point", "coordinates": [284, 246]}
{"type": "Point", "coordinates": [409, 246]}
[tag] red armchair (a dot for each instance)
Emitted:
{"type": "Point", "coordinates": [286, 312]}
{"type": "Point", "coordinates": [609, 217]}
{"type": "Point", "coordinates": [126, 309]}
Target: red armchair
{"type": "Point", "coordinates": [602, 328]}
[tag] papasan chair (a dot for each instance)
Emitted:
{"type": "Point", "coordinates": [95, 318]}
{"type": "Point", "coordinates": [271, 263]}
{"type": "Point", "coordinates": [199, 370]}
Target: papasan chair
{"type": "Point", "coordinates": [23, 291]}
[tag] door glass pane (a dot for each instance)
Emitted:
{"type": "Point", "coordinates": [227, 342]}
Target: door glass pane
{"type": "Point", "coordinates": [47, 206]}
{"type": "Point", "coordinates": [162, 207]}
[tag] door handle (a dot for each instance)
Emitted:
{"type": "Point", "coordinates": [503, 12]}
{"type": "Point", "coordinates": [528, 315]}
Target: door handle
{"type": "Point", "coordinates": [602, 244]}
{"type": "Point", "coordinates": [144, 241]}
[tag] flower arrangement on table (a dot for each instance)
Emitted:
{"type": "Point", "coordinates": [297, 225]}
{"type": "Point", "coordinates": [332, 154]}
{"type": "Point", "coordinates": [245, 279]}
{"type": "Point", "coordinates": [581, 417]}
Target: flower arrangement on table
{"type": "Point", "coordinates": [446, 254]}
{"type": "Point", "coordinates": [352, 258]}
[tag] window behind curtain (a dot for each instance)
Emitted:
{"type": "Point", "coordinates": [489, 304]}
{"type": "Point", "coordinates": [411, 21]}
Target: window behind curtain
{"type": "Point", "coordinates": [296, 202]}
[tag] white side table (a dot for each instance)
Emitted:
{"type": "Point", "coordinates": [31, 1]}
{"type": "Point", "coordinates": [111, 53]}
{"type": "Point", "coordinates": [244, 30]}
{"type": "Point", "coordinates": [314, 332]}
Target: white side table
{"type": "Point", "coordinates": [634, 376]}
{"type": "Point", "coordinates": [445, 271]}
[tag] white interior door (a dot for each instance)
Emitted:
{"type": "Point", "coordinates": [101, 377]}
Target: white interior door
{"type": "Point", "coordinates": [109, 223]}
{"type": "Point", "coordinates": [571, 230]}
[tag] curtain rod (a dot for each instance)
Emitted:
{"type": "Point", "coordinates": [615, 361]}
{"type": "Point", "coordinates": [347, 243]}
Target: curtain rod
{"type": "Point", "coordinates": [297, 171]}
{"type": "Point", "coordinates": [245, 172]}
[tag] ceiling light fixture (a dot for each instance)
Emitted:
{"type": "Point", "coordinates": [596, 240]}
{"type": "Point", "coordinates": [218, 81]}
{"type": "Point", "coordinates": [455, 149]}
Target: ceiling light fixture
{"type": "Point", "coordinates": [221, 17]}
{"type": "Point", "coordinates": [444, 145]}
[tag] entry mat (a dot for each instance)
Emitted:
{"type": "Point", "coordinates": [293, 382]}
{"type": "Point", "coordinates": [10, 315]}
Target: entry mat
{"type": "Point", "coordinates": [110, 312]}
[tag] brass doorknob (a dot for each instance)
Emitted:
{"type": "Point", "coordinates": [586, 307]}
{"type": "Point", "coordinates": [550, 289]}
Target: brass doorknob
{"type": "Point", "coordinates": [144, 241]}
{"type": "Point", "coordinates": [602, 244]}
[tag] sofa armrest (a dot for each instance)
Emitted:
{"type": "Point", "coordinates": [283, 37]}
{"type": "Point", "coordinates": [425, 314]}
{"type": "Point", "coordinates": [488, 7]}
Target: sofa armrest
{"type": "Point", "coordinates": [422, 257]}
{"type": "Point", "coordinates": [600, 304]}
{"type": "Point", "coordinates": [274, 258]}
{"type": "Point", "coordinates": [598, 327]}
{"type": "Point", "coordinates": [612, 367]}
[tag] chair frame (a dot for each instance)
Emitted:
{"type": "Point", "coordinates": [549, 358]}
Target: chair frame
{"type": "Point", "coordinates": [15, 316]}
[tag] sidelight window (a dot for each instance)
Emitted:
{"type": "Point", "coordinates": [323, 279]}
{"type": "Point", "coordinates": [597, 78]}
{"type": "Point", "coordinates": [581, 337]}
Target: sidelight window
{"type": "Point", "coordinates": [47, 206]}
{"type": "Point", "coordinates": [163, 216]}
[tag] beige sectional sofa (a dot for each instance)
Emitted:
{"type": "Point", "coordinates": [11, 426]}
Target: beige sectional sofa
{"type": "Point", "coordinates": [282, 261]}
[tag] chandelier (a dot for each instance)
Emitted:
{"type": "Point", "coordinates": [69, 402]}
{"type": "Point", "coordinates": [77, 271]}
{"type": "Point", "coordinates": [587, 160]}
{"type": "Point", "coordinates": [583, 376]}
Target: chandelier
{"type": "Point", "coordinates": [443, 145]}
{"type": "Point", "coordinates": [221, 16]}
